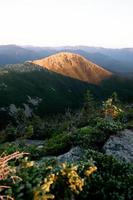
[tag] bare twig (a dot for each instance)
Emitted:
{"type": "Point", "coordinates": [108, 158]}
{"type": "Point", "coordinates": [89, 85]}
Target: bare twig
{"type": "Point", "coordinates": [5, 170]}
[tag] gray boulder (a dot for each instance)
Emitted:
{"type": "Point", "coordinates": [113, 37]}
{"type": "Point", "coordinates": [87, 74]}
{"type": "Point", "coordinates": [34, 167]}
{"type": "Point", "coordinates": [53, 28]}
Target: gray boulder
{"type": "Point", "coordinates": [74, 155]}
{"type": "Point", "coordinates": [120, 146]}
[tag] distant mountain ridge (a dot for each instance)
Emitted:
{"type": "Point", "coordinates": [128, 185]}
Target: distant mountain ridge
{"type": "Point", "coordinates": [74, 66]}
{"type": "Point", "coordinates": [115, 60]}
{"type": "Point", "coordinates": [13, 54]}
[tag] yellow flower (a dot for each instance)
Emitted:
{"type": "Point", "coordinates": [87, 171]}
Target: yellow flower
{"type": "Point", "coordinates": [89, 171]}
{"type": "Point", "coordinates": [49, 167]}
{"type": "Point", "coordinates": [46, 187]}
{"type": "Point", "coordinates": [48, 182]}
{"type": "Point", "coordinates": [48, 196]}
{"type": "Point", "coordinates": [29, 164]}
{"type": "Point", "coordinates": [63, 172]}
{"type": "Point", "coordinates": [37, 196]}
{"type": "Point", "coordinates": [75, 182]}
{"type": "Point", "coordinates": [74, 168]}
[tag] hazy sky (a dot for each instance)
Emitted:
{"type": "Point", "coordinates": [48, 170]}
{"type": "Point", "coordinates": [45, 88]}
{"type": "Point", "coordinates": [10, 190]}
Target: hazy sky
{"type": "Point", "coordinates": [107, 23]}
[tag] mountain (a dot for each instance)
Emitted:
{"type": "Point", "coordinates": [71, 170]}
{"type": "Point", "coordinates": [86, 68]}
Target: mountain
{"type": "Point", "coordinates": [74, 66]}
{"type": "Point", "coordinates": [98, 58]}
{"type": "Point", "coordinates": [114, 60]}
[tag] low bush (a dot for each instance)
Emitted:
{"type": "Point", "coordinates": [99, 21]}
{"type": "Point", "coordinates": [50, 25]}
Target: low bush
{"type": "Point", "coordinates": [9, 148]}
{"type": "Point", "coordinates": [113, 179]}
{"type": "Point", "coordinates": [58, 144]}
{"type": "Point", "coordinates": [82, 136]}
{"type": "Point", "coordinates": [89, 137]}
{"type": "Point", "coordinates": [50, 179]}
{"type": "Point", "coordinates": [109, 125]}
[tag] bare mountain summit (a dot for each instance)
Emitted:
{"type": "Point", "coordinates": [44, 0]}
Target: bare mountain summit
{"type": "Point", "coordinates": [74, 66]}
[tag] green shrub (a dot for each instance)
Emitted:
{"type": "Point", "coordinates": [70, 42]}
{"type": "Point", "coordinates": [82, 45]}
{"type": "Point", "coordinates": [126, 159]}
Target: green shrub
{"type": "Point", "coordinates": [81, 136]}
{"type": "Point", "coordinates": [58, 144]}
{"type": "Point", "coordinates": [69, 179]}
{"type": "Point", "coordinates": [35, 153]}
{"type": "Point", "coordinates": [109, 125]}
{"type": "Point", "coordinates": [112, 181]}
{"type": "Point", "coordinates": [89, 137]}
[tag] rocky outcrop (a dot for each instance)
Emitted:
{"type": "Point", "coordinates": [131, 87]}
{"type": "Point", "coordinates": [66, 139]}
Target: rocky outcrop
{"type": "Point", "coordinates": [120, 146]}
{"type": "Point", "coordinates": [74, 155]}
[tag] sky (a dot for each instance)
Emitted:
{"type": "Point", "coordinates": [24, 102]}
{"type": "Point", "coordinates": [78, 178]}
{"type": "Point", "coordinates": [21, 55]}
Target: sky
{"type": "Point", "coordinates": [104, 23]}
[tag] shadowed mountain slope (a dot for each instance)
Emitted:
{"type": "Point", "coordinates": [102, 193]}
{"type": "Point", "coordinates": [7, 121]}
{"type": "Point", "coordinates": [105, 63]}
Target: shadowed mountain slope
{"type": "Point", "coordinates": [56, 92]}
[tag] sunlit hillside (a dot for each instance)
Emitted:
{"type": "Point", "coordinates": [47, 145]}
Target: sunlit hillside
{"type": "Point", "coordinates": [74, 66]}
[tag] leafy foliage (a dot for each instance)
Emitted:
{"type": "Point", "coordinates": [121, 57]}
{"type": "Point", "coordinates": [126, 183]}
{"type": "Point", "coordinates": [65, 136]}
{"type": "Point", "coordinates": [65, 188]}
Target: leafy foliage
{"type": "Point", "coordinates": [109, 125]}
{"type": "Point", "coordinates": [112, 181]}
{"type": "Point", "coordinates": [88, 128]}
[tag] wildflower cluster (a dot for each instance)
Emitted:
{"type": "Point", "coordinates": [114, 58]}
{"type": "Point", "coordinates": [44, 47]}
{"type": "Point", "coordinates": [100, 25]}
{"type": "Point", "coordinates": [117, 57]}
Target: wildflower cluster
{"type": "Point", "coordinates": [45, 188]}
{"type": "Point", "coordinates": [75, 182]}
{"type": "Point", "coordinates": [89, 171]}
{"type": "Point", "coordinates": [66, 175]}
{"type": "Point", "coordinates": [27, 164]}
{"type": "Point", "coordinates": [48, 182]}
{"type": "Point", "coordinates": [38, 196]}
